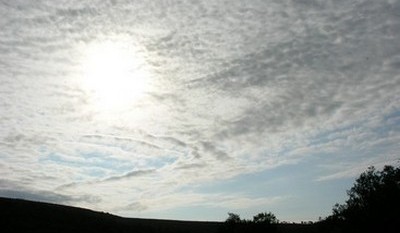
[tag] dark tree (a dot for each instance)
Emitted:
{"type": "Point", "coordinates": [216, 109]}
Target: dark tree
{"type": "Point", "coordinates": [266, 218]}
{"type": "Point", "coordinates": [233, 218]}
{"type": "Point", "coordinates": [265, 222]}
{"type": "Point", "coordinates": [262, 222]}
{"type": "Point", "coordinates": [373, 204]}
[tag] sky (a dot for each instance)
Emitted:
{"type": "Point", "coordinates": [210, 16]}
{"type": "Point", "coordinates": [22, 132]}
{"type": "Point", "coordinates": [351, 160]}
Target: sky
{"type": "Point", "coordinates": [193, 109]}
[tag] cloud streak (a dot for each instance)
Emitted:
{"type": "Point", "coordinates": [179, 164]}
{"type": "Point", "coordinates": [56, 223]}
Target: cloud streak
{"type": "Point", "coordinates": [236, 89]}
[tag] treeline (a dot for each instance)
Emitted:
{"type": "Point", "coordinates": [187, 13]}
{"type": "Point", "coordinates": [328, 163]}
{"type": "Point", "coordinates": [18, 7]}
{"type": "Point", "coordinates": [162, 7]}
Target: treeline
{"type": "Point", "coordinates": [262, 222]}
{"type": "Point", "coordinates": [373, 205]}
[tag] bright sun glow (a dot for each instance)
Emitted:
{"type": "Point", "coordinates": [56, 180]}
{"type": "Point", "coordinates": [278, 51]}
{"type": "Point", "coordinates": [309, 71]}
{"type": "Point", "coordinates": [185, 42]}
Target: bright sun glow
{"type": "Point", "coordinates": [115, 75]}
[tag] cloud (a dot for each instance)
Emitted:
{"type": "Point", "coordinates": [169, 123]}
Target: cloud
{"type": "Point", "coordinates": [218, 200]}
{"type": "Point", "coordinates": [130, 175]}
{"type": "Point", "coordinates": [49, 196]}
{"type": "Point", "coordinates": [236, 88]}
{"type": "Point", "coordinates": [134, 206]}
{"type": "Point", "coordinates": [351, 169]}
{"type": "Point", "coordinates": [127, 176]}
{"type": "Point", "coordinates": [209, 147]}
{"type": "Point", "coordinates": [192, 165]}
{"type": "Point", "coordinates": [247, 202]}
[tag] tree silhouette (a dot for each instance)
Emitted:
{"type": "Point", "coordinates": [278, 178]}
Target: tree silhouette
{"type": "Point", "coordinates": [232, 224]}
{"type": "Point", "coordinates": [373, 204]}
{"type": "Point", "coordinates": [233, 218]}
{"type": "Point", "coordinates": [266, 218]}
{"type": "Point", "coordinates": [262, 222]}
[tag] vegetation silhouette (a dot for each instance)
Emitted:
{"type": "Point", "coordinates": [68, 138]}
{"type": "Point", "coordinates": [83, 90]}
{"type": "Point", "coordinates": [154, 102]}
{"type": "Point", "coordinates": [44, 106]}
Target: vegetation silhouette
{"type": "Point", "coordinates": [265, 218]}
{"type": "Point", "coordinates": [233, 218]}
{"type": "Point", "coordinates": [262, 222]}
{"type": "Point", "coordinates": [373, 204]}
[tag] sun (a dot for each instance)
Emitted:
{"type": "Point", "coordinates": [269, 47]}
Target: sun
{"type": "Point", "coordinates": [115, 75]}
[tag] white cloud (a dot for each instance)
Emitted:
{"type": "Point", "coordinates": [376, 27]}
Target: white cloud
{"type": "Point", "coordinates": [238, 87]}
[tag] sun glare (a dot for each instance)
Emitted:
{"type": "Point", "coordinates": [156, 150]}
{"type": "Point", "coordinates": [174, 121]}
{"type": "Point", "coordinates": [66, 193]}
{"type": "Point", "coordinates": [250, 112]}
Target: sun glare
{"type": "Point", "coordinates": [115, 75]}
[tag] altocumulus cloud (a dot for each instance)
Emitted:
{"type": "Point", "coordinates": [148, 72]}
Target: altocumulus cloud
{"type": "Point", "coordinates": [238, 88]}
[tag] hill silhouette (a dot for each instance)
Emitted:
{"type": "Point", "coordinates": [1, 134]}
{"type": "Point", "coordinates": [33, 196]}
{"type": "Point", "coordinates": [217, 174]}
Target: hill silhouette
{"type": "Point", "coordinates": [18, 215]}
{"type": "Point", "coordinates": [373, 205]}
{"type": "Point", "coordinates": [28, 216]}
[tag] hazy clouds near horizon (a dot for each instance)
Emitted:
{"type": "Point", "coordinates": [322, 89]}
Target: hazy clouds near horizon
{"type": "Point", "coordinates": [235, 88]}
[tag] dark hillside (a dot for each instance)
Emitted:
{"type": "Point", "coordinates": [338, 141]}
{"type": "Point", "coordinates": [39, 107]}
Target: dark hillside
{"type": "Point", "coordinates": [27, 216]}
{"type": "Point", "coordinates": [34, 217]}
